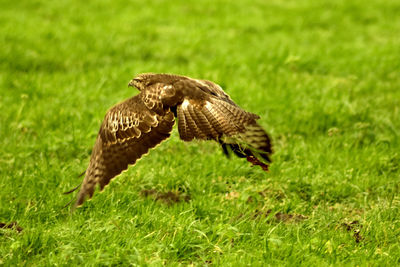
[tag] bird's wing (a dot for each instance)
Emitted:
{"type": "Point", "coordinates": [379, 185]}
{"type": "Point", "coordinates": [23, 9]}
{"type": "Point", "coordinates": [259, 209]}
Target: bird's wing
{"type": "Point", "coordinates": [207, 112]}
{"type": "Point", "coordinates": [216, 90]}
{"type": "Point", "coordinates": [128, 131]}
{"type": "Point", "coordinates": [151, 97]}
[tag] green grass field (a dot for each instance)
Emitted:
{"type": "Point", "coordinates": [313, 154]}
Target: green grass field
{"type": "Point", "coordinates": [323, 75]}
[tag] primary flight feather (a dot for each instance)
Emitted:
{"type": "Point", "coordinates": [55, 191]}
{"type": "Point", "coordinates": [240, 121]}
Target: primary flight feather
{"type": "Point", "coordinates": [203, 111]}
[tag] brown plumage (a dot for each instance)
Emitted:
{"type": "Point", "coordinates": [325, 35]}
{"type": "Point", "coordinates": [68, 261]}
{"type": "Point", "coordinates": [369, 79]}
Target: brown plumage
{"type": "Point", "coordinates": [203, 110]}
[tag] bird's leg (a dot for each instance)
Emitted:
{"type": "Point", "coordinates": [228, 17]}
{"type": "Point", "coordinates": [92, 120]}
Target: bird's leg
{"type": "Point", "coordinates": [255, 161]}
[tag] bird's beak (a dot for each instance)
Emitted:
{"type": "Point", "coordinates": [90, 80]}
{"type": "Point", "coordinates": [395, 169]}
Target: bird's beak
{"type": "Point", "coordinates": [133, 81]}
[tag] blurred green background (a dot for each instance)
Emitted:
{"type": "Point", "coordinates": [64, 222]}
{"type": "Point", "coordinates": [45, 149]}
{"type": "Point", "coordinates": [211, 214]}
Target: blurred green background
{"type": "Point", "coordinates": [323, 75]}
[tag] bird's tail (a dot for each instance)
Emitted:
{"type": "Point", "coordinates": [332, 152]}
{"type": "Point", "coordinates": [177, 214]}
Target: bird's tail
{"type": "Point", "coordinates": [253, 144]}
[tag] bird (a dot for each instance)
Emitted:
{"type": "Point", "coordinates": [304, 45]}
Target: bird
{"type": "Point", "coordinates": [203, 111]}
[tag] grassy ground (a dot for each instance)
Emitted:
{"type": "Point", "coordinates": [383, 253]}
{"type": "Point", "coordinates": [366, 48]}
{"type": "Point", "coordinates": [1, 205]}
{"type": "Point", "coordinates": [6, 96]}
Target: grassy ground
{"type": "Point", "coordinates": [323, 75]}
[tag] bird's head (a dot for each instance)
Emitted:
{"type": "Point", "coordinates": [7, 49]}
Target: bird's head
{"type": "Point", "coordinates": [141, 80]}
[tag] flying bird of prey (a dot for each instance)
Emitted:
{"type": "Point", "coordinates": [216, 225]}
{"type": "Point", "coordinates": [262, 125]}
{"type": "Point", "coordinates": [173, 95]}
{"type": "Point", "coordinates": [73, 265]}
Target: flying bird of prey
{"type": "Point", "coordinates": [203, 111]}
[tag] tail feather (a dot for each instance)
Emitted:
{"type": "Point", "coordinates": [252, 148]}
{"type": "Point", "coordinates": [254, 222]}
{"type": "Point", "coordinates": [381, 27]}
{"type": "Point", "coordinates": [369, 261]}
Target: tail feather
{"type": "Point", "coordinates": [253, 144]}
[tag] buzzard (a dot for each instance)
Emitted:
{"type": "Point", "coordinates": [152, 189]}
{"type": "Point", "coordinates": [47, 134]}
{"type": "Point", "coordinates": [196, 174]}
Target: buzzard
{"type": "Point", "coordinates": [203, 111]}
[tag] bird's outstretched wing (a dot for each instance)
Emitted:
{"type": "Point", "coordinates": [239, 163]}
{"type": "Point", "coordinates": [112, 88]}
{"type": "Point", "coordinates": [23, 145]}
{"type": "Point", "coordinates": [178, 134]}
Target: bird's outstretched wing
{"type": "Point", "coordinates": [128, 131]}
{"type": "Point", "coordinates": [206, 112]}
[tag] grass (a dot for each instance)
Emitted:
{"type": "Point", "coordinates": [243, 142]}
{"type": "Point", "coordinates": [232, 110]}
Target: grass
{"type": "Point", "coordinates": [323, 75]}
